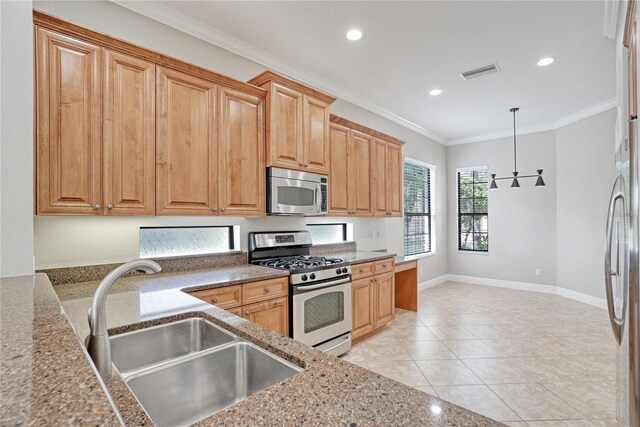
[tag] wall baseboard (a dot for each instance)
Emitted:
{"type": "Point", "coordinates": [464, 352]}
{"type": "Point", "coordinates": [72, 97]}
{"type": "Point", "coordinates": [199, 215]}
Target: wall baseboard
{"type": "Point", "coordinates": [520, 286]}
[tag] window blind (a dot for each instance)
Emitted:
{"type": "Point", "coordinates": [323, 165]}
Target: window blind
{"type": "Point", "coordinates": [473, 212]}
{"type": "Point", "coordinates": [417, 209]}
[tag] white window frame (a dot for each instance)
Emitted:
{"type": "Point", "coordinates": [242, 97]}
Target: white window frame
{"type": "Point", "coordinates": [432, 194]}
{"type": "Point", "coordinates": [466, 169]}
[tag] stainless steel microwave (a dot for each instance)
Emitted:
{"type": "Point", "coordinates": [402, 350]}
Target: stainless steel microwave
{"type": "Point", "coordinates": [292, 192]}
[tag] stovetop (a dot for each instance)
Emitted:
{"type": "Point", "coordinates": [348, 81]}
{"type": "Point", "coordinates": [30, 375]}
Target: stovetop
{"type": "Point", "coordinates": [301, 263]}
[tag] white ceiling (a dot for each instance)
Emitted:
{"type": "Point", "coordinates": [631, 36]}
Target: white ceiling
{"type": "Point", "coordinates": [411, 47]}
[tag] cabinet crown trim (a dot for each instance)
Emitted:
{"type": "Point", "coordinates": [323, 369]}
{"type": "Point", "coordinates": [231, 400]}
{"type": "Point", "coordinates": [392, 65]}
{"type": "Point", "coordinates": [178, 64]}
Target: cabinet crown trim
{"type": "Point", "coordinates": [270, 76]}
{"type": "Point", "coordinates": [371, 132]}
{"type": "Point", "coordinates": [53, 23]}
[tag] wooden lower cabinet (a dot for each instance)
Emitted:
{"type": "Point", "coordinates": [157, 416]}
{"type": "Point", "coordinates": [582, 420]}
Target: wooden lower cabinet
{"type": "Point", "coordinates": [272, 314]}
{"type": "Point", "coordinates": [362, 297]}
{"type": "Point", "coordinates": [372, 296]}
{"type": "Point", "coordinates": [384, 297]}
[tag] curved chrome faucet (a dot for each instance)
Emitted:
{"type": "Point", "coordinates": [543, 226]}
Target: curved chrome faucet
{"type": "Point", "coordinates": [98, 339]}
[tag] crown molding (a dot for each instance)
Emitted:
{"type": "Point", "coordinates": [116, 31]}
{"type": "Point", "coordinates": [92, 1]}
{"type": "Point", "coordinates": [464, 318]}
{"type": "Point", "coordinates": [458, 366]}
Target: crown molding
{"type": "Point", "coordinates": [185, 24]}
{"type": "Point", "coordinates": [567, 120]}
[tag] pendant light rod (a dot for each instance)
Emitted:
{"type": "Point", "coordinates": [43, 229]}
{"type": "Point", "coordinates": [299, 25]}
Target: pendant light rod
{"type": "Point", "coordinates": [515, 150]}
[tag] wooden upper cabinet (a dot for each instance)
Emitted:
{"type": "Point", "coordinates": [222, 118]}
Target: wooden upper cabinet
{"type": "Point", "coordinates": [129, 135]}
{"type": "Point", "coordinates": [68, 131]}
{"type": "Point", "coordinates": [360, 174]}
{"type": "Point", "coordinates": [339, 171]}
{"type": "Point", "coordinates": [394, 179]}
{"type": "Point", "coordinates": [316, 155]}
{"type": "Point", "coordinates": [284, 115]}
{"type": "Point", "coordinates": [186, 144]}
{"type": "Point", "coordinates": [241, 154]}
{"type": "Point", "coordinates": [297, 124]}
{"type": "Point", "coordinates": [380, 186]}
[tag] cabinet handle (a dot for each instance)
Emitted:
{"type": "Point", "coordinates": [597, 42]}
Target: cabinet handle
{"type": "Point", "coordinates": [362, 270]}
{"type": "Point", "coordinates": [222, 210]}
{"type": "Point", "coordinates": [247, 312]}
{"type": "Point", "coordinates": [384, 265]}
{"type": "Point", "coordinates": [214, 300]}
{"type": "Point", "coordinates": [239, 314]}
{"type": "Point", "coordinates": [109, 206]}
{"type": "Point", "coordinates": [97, 206]}
{"type": "Point", "coordinates": [300, 164]}
{"type": "Point", "coordinates": [215, 209]}
{"type": "Point", "coordinates": [267, 290]}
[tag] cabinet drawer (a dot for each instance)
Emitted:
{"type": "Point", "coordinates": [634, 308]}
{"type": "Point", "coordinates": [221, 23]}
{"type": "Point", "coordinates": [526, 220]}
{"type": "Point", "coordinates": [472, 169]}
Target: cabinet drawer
{"type": "Point", "coordinates": [237, 311]}
{"type": "Point", "coordinates": [383, 266]}
{"type": "Point", "coordinates": [226, 297]}
{"type": "Point", "coordinates": [361, 270]}
{"type": "Point", "coordinates": [265, 289]}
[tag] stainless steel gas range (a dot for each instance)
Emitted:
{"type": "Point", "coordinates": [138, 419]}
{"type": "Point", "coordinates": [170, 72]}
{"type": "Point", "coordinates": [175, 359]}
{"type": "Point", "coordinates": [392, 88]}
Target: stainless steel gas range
{"type": "Point", "coordinates": [320, 288]}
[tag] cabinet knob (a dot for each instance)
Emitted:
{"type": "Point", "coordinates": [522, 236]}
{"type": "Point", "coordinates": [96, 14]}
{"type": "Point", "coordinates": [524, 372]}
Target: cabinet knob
{"type": "Point", "coordinates": [247, 312]}
{"type": "Point", "coordinates": [362, 270]}
{"type": "Point", "coordinates": [267, 290]}
{"type": "Point", "coordinates": [215, 209]}
{"type": "Point", "coordinates": [222, 210]}
{"type": "Point", "coordinates": [214, 300]}
{"type": "Point", "coordinates": [97, 206]}
{"type": "Point", "coordinates": [300, 164]}
{"type": "Point", "coordinates": [384, 265]}
{"type": "Point", "coordinates": [109, 206]}
{"type": "Point", "coordinates": [239, 314]}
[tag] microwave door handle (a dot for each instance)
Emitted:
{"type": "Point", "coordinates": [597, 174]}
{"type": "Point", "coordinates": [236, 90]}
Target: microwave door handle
{"type": "Point", "coordinates": [318, 198]}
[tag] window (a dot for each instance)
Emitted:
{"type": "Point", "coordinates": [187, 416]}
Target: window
{"type": "Point", "coordinates": [327, 233]}
{"type": "Point", "coordinates": [473, 215]}
{"type": "Point", "coordinates": [418, 180]}
{"type": "Point", "coordinates": [157, 242]}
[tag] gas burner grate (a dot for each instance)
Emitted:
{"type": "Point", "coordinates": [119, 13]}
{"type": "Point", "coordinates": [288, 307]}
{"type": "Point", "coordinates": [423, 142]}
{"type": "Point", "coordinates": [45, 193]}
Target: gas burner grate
{"type": "Point", "coordinates": [301, 262]}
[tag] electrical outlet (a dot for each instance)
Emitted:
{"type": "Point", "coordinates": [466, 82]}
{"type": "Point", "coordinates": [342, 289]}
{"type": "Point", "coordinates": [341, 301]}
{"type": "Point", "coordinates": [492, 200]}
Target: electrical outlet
{"type": "Point", "coordinates": [538, 272]}
{"type": "Point", "coordinates": [421, 270]}
{"type": "Point", "coordinates": [373, 234]}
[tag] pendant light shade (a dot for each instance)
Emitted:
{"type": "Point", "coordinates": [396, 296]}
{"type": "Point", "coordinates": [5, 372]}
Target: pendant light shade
{"type": "Point", "coordinates": [493, 185]}
{"type": "Point", "coordinates": [515, 183]}
{"type": "Point", "coordinates": [540, 181]}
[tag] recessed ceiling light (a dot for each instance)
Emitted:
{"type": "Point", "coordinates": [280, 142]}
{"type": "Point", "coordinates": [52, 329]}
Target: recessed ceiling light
{"type": "Point", "coordinates": [546, 61]}
{"type": "Point", "coordinates": [435, 92]}
{"type": "Point", "coordinates": [354, 35]}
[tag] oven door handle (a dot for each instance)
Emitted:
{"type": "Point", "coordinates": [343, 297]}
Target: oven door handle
{"type": "Point", "coordinates": [324, 285]}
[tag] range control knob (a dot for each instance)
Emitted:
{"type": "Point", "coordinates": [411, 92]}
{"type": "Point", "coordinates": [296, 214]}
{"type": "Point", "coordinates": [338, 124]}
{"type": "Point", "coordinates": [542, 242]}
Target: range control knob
{"type": "Point", "coordinates": [312, 276]}
{"type": "Point", "coordinates": [345, 270]}
{"type": "Point", "coordinates": [304, 277]}
{"type": "Point", "coordinates": [338, 270]}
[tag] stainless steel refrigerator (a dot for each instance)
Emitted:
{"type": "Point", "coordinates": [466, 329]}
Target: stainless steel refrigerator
{"type": "Point", "coordinates": [622, 255]}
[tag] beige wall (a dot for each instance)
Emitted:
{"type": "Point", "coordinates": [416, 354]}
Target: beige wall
{"type": "Point", "coordinates": [16, 138]}
{"type": "Point", "coordinates": [586, 171]}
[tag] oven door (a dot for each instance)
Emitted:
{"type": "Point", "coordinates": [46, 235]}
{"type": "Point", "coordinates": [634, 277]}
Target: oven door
{"type": "Point", "coordinates": [289, 196]}
{"type": "Point", "coordinates": [321, 311]}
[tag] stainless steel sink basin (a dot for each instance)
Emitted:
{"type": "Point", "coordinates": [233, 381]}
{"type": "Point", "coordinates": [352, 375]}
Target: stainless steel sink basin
{"type": "Point", "coordinates": [138, 349]}
{"type": "Point", "coordinates": [190, 389]}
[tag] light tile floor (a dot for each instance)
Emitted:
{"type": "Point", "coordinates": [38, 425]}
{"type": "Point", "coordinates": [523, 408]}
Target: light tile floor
{"type": "Point", "coordinates": [523, 358]}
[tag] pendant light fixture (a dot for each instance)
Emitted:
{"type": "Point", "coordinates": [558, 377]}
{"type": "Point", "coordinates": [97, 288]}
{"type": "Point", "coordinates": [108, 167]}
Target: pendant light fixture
{"type": "Point", "coordinates": [515, 183]}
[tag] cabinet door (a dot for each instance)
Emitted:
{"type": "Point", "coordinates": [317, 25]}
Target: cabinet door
{"type": "Point", "coordinates": [186, 144]}
{"type": "Point", "coordinates": [68, 132]}
{"type": "Point", "coordinates": [384, 297]}
{"type": "Point", "coordinates": [360, 174]}
{"type": "Point", "coordinates": [241, 154]}
{"type": "Point", "coordinates": [339, 166]}
{"type": "Point", "coordinates": [272, 314]}
{"type": "Point", "coordinates": [380, 186]}
{"type": "Point", "coordinates": [362, 307]}
{"type": "Point", "coordinates": [285, 128]}
{"type": "Point", "coordinates": [394, 179]}
{"type": "Point", "coordinates": [129, 135]}
{"type": "Point", "coordinates": [316, 135]}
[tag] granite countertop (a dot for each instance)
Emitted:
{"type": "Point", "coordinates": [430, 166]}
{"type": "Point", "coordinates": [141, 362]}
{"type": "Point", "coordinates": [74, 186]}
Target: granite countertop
{"type": "Point", "coordinates": [358, 257]}
{"type": "Point", "coordinates": [58, 382]}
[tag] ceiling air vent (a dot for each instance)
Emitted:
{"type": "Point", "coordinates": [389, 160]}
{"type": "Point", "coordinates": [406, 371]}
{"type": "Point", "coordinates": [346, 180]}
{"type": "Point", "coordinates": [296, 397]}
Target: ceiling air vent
{"type": "Point", "coordinates": [479, 72]}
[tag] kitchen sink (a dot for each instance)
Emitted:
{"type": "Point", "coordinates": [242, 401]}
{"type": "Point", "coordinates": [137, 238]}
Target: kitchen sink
{"type": "Point", "coordinates": [194, 387]}
{"type": "Point", "coordinates": [135, 350]}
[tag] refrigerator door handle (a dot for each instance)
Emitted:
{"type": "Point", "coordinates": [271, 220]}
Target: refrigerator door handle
{"type": "Point", "coordinates": [617, 198]}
